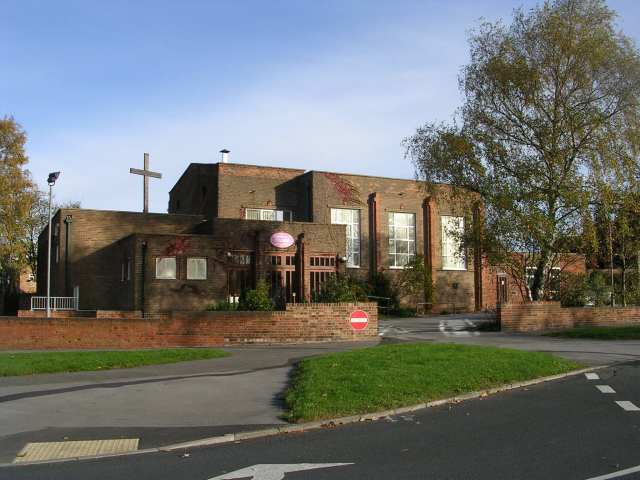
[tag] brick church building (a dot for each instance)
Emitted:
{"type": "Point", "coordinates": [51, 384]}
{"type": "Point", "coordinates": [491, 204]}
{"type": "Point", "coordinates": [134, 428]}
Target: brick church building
{"type": "Point", "coordinates": [230, 224]}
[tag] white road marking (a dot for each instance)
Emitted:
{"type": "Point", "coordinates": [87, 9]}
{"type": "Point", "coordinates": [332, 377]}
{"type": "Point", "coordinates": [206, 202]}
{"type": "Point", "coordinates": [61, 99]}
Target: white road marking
{"type": "Point", "coordinates": [592, 376]}
{"type": "Point", "coordinates": [620, 473]}
{"type": "Point", "coordinates": [457, 334]}
{"type": "Point", "coordinates": [605, 389]}
{"type": "Point", "coordinates": [274, 471]}
{"type": "Point", "coordinates": [628, 406]}
{"type": "Point", "coordinates": [456, 328]}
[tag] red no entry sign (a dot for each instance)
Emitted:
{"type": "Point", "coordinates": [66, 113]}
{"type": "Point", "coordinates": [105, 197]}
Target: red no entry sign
{"type": "Point", "coordinates": [359, 320]}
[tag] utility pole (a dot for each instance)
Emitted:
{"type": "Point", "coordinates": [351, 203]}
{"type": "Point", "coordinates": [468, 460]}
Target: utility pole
{"type": "Point", "coordinates": [613, 296]}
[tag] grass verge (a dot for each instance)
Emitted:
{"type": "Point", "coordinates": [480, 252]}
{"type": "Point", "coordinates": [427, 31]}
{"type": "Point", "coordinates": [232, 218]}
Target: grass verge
{"type": "Point", "coordinates": [391, 376]}
{"type": "Point", "coordinates": [12, 364]}
{"type": "Point", "coordinates": [600, 333]}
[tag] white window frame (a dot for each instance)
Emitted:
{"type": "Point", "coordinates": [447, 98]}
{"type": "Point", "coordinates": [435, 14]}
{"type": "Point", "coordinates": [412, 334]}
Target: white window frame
{"type": "Point", "coordinates": [353, 233]}
{"type": "Point", "coordinates": [159, 260]}
{"type": "Point", "coordinates": [190, 273]}
{"type": "Point", "coordinates": [265, 214]}
{"type": "Point", "coordinates": [530, 272]}
{"type": "Point", "coordinates": [452, 256]}
{"type": "Point", "coordinates": [409, 237]}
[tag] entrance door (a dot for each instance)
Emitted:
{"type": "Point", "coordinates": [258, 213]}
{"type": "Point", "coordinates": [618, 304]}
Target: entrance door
{"type": "Point", "coordinates": [281, 269]}
{"type": "Point", "coordinates": [502, 289]}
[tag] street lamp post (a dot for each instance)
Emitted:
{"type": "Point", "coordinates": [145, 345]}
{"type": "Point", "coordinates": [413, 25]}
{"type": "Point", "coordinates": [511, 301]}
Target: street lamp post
{"type": "Point", "coordinates": [51, 180]}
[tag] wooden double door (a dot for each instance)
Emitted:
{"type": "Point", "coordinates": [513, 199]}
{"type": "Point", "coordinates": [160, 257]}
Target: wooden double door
{"type": "Point", "coordinates": [282, 278]}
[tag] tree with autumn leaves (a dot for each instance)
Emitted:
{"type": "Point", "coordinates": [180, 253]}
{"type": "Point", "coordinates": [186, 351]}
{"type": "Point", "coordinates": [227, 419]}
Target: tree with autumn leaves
{"type": "Point", "coordinates": [23, 208]}
{"type": "Point", "coordinates": [18, 194]}
{"type": "Point", "coordinates": [550, 121]}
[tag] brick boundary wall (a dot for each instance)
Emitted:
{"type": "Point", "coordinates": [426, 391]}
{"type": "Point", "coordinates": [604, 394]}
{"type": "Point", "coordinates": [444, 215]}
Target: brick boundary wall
{"type": "Point", "coordinates": [299, 323]}
{"type": "Point", "coordinates": [543, 316]}
{"type": "Point", "coordinates": [81, 313]}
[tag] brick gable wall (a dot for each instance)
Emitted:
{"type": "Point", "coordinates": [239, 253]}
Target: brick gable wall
{"type": "Point", "coordinates": [92, 248]}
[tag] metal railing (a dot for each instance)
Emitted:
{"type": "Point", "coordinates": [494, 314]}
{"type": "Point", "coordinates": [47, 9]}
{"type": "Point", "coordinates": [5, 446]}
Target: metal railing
{"type": "Point", "coordinates": [55, 303]}
{"type": "Point", "coordinates": [386, 308]}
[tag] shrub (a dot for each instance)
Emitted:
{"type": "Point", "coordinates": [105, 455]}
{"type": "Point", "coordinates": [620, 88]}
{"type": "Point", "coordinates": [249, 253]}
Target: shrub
{"type": "Point", "coordinates": [598, 289]}
{"type": "Point", "coordinates": [573, 290]}
{"type": "Point", "coordinates": [257, 298]}
{"type": "Point", "coordinates": [341, 288]}
{"type": "Point", "coordinates": [415, 279]}
{"type": "Point", "coordinates": [222, 307]}
{"type": "Point", "coordinates": [380, 286]}
{"type": "Point", "coordinates": [578, 290]}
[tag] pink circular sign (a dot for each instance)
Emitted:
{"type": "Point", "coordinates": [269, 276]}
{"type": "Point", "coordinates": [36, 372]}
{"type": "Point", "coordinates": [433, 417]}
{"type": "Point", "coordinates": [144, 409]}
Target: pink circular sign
{"type": "Point", "coordinates": [282, 240]}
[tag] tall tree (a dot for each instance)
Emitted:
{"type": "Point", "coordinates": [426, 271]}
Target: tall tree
{"type": "Point", "coordinates": [550, 115]}
{"type": "Point", "coordinates": [17, 195]}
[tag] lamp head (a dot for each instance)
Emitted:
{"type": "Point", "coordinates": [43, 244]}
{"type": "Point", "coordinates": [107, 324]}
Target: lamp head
{"type": "Point", "coordinates": [53, 176]}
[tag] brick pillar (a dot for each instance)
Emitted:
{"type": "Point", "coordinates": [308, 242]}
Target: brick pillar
{"type": "Point", "coordinates": [259, 269]}
{"type": "Point", "coordinates": [374, 232]}
{"type": "Point", "coordinates": [426, 221]}
{"type": "Point", "coordinates": [301, 271]}
{"type": "Point", "coordinates": [477, 257]}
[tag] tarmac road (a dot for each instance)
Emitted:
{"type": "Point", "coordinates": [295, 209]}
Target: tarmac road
{"type": "Point", "coordinates": [566, 429]}
{"type": "Point", "coordinates": [455, 329]}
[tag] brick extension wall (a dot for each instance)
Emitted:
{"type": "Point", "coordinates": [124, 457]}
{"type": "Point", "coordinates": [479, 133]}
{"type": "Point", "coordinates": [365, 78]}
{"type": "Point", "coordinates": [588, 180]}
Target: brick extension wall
{"type": "Point", "coordinates": [541, 316]}
{"type": "Point", "coordinates": [300, 323]}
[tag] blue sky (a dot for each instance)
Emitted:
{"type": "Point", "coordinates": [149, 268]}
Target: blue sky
{"type": "Point", "coordinates": [331, 85]}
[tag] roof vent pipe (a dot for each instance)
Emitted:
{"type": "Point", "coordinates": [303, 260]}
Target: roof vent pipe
{"type": "Point", "coordinates": [225, 155]}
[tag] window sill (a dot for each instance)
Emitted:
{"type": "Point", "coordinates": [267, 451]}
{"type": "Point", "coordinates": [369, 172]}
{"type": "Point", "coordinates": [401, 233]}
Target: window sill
{"type": "Point", "coordinates": [272, 221]}
{"type": "Point", "coordinates": [454, 269]}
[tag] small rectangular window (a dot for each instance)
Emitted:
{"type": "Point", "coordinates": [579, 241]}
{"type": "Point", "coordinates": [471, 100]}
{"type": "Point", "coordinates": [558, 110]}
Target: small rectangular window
{"type": "Point", "coordinates": [125, 273]}
{"type": "Point", "coordinates": [266, 214]}
{"type": "Point", "coordinates": [241, 259]}
{"type": "Point", "coordinates": [196, 268]}
{"type": "Point", "coordinates": [166, 268]}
